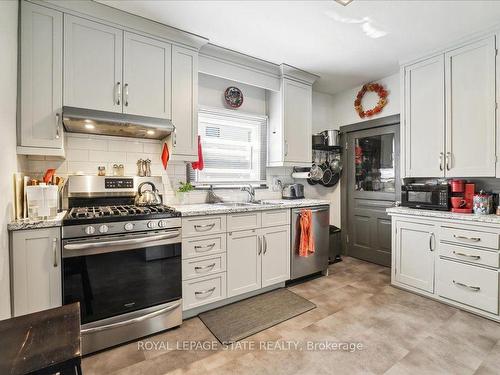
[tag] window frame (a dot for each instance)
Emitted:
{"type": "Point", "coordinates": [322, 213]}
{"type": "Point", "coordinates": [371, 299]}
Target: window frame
{"type": "Point", "coordinates": [205, 111]}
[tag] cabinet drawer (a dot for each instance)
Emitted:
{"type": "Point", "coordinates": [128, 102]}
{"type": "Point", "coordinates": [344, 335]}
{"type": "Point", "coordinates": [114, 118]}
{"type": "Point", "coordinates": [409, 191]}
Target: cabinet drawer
{"type": "Point", "coordinates": [470, 254]}
{"type": "Point", "coordinates": [243, 221]}
{"type": "Point", "coordinates": [470, 237]}
{"type": "Point", "coordinates": [275, 218]}
{"type": "Point", "coordinates": [204, 290]}
{"type": "Point", "coordinates": [202, 225]}
{"type": "Point", "coordinates": [201, 246]}
{"type": "Point", "coordinates": [202, 266]}
{"type": "Point", "coordinates": [468, 284]}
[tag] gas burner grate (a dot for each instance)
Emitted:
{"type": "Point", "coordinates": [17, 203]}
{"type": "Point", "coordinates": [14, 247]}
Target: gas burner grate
{"type": "Point", "coordinates": [119, 210]}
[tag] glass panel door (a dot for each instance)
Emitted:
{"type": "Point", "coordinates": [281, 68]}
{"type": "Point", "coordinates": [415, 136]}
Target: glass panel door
{"type": "Point", "coordinates": [374, 163]}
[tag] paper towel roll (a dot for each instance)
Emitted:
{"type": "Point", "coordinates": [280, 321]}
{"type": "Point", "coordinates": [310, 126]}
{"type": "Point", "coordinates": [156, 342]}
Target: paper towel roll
{"type": "Point", "coordinates": [301, 175]}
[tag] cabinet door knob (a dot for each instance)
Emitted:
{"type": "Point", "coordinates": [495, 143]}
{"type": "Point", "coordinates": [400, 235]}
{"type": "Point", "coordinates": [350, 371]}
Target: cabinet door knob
{"type": "Point", "coordinates": [448, 161]}
{"type": "Point", "coordinates": [54, 251]}
{"type": "Point", "coordinates": [126, 95]}
{"type": "Point", "coordinates": [57, 126]}
{"type": "Point", "coordinates": [118, 93]}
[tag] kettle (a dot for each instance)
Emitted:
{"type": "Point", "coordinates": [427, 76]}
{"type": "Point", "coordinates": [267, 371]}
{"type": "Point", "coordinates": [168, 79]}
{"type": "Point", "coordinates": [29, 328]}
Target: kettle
{"type": "Point", "coordinates": [147, 197]}
{"type": "Point", "coordinates": [292, 191]}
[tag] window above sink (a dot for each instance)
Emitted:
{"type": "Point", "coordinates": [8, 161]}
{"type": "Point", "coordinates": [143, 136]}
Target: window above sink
{"type": "Point", "coordinates": [234, 148]}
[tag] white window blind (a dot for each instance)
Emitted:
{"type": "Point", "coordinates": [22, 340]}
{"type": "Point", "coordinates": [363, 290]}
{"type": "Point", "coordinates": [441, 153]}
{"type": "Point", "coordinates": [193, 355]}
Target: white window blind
{"type": "Point", "coordinates": [234, 148]}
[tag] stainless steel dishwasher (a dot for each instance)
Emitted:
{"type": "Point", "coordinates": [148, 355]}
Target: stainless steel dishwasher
{"type": "Point", "coordinates": [317, 261]}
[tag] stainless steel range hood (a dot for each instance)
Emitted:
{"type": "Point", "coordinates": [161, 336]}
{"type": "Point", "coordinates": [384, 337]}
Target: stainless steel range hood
{"type": "Point", "coordinates": [82, 120]}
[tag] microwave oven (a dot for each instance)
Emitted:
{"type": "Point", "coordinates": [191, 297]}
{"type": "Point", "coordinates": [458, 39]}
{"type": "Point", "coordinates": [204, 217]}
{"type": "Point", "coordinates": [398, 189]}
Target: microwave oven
{"type": "Point", "coordinates": [426, 196]}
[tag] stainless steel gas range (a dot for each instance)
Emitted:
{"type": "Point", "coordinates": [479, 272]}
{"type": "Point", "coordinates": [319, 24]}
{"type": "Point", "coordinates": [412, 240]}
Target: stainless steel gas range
{"type": "Point", "coordinates": [120, 261]}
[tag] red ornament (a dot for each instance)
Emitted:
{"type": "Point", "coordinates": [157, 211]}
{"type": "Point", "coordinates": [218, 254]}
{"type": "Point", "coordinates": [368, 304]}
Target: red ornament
{"type": "Point", "coordinates": [382, 101]}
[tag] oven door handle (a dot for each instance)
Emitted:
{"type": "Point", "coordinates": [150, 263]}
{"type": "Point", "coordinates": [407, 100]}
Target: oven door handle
{"type": "Point", "coordinates": [129, 321]}
{"type": "Point", "coordinates": [132, 241]}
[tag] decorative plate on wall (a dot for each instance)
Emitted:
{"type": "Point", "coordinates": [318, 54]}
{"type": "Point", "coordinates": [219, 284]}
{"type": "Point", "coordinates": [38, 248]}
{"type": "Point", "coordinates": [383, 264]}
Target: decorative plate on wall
{"type": "Point", "coordinates": [233, 97]}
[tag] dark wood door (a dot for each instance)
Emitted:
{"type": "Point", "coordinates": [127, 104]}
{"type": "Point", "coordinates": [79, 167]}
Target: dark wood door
{"type": "Point", "coordinates": [373, 184]}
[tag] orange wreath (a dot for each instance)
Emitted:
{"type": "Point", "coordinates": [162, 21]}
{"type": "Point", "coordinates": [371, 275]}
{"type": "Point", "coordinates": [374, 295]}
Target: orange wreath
{"type": "Point", "coordinates": [382, 101]}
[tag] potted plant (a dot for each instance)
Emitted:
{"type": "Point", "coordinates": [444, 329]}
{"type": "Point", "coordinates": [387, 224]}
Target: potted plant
{"type": "Point", "coordinates": [185, 187]}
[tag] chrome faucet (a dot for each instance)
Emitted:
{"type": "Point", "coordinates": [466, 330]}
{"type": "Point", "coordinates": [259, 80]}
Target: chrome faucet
{"type": "Point", "coordinates": [212, 197]}
{"type": "Point", "coordinates": [250, 190]}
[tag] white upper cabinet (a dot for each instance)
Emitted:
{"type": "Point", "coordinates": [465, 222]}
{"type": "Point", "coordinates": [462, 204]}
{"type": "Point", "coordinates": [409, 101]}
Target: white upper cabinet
{"type": "Point", "coordinates": [470, 110]}
{"type": "Point", "coordinates": [424, 118]}
{"type": "Point", "coordinates": [290, 124]}
{"type": "Point", "coordinates": [92, 65]}
{"type": "Point", "coordinates": [185, 103]}
{"type": "Point", "coordinates": [297, 117]}
{"type": "Point", "coordinates": [290, 119]}
{"type": "Point", "coordinates": [147, 79]}
{"type": "Point", "coordinates": [41, 81]}
{"type": "Point", "coordinates": [449, 111]}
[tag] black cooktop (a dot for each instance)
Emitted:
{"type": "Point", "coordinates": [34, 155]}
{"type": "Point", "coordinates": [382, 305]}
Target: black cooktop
{"type": "Point", "coordinates": [106, 214]}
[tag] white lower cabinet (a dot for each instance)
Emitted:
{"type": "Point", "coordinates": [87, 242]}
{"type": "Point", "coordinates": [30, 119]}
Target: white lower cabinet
{"type": "Point", "coordinates": [244, 261]}
{"type": "Point", "coordinates": [449, 261]}
{"type": "Point", "coordinates": [225, 256]}
{"type": "Point", "coordinates": [414, 255]}
{"type": "Point", "coordinates": [35, 270]}
{"type": "Point", "coordinates": [275, 255]}
{"type": "Point", "coordinates": [204, 290]}
{"type": "Point", "coordinates": [467, 284]}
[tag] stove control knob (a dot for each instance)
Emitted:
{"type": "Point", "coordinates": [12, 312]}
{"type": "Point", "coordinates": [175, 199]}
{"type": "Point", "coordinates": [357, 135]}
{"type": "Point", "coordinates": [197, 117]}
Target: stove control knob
{"type": "Point", "coordinates": [151, 225]}
{"type": "Point", "coordinates": [90, 229]}
{"type": "Point", "coordinates": [129, 226]}
{"type": "Point", "coordinates": [162, 223]}
{"type": "Point", "coordinates": [103, 228]}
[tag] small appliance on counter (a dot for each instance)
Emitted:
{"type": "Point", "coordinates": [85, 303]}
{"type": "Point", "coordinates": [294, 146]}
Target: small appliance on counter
{"type": "Point", "coordinates": [42, 201]}
{"type": "Point", "coordinates": [462, 194]}
{"type": "Point", "coordinates": [292, 191]}
{"type": "Point", "coordinates": [426, 195]}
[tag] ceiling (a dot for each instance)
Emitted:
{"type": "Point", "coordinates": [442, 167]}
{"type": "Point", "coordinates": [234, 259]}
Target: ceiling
{"type": "Point", "coordinates": [346, 46]}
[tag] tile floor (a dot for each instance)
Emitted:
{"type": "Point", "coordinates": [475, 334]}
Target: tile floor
{"type": "Point", "coordinates": [399, 333]}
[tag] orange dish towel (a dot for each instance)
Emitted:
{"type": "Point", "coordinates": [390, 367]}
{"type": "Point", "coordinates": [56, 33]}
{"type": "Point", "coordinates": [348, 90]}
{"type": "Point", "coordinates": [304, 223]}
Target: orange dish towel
{"type": "Point", "coordinates": [306, 243]}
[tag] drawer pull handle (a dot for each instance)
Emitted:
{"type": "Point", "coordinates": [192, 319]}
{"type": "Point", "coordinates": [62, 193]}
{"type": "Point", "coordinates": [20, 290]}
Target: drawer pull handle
{"type": "Point", "coordinates": [473, 239]}
{"type": "Point", "coordinates": [473, 288]}
{"type": "Point", "coordinates": [203, 268]}
{"type": "Point", "coordinates": [204, 292]}
{"type": "Point", "coordinates": [475, 257]}
{"type": "Point", "coordinates": [204, 228]}
{"type": "Point", "coordinates": [431, 239]}
{"type": "Point", "coordinates": [202, 249]}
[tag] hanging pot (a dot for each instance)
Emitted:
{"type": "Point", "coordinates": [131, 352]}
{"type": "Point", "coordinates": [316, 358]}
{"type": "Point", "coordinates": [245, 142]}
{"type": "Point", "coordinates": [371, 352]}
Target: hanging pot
{"type": "Point", "coordinates": [318, 139]}
{"type": "Point", "coordinates": [331, 137]}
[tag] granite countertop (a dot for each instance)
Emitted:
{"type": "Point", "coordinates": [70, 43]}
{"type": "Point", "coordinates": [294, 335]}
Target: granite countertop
{"type": "Point", "coordinates": [493, 219]}
{"type": "Point", "coordinates": [36, 224]}
{"type": "Point", "coordinates": [275, 204]}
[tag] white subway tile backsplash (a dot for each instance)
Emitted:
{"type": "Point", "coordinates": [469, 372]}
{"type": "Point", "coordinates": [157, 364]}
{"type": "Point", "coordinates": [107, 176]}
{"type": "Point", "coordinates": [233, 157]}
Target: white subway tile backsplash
{"type": "Point", "coordinates": [86, 167]}
{"type": "Point", "coordinates": [125, 145]}
{"type": "Point", "coordinates": [83, 142]}
{"type": "Point", "coordinates": [152, 148]}
{"type": "Point", "coordinates": [73, 154]}
{"type": "Point", "coordinates": [108, 156]}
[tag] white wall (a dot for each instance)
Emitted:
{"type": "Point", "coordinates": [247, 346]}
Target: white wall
{"type": "Point", "coordinates": [343, 102]}
{"type": "Point", "coordinates": [211, 93]}
{"type": "Point", "coordinates": [8, 92]}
